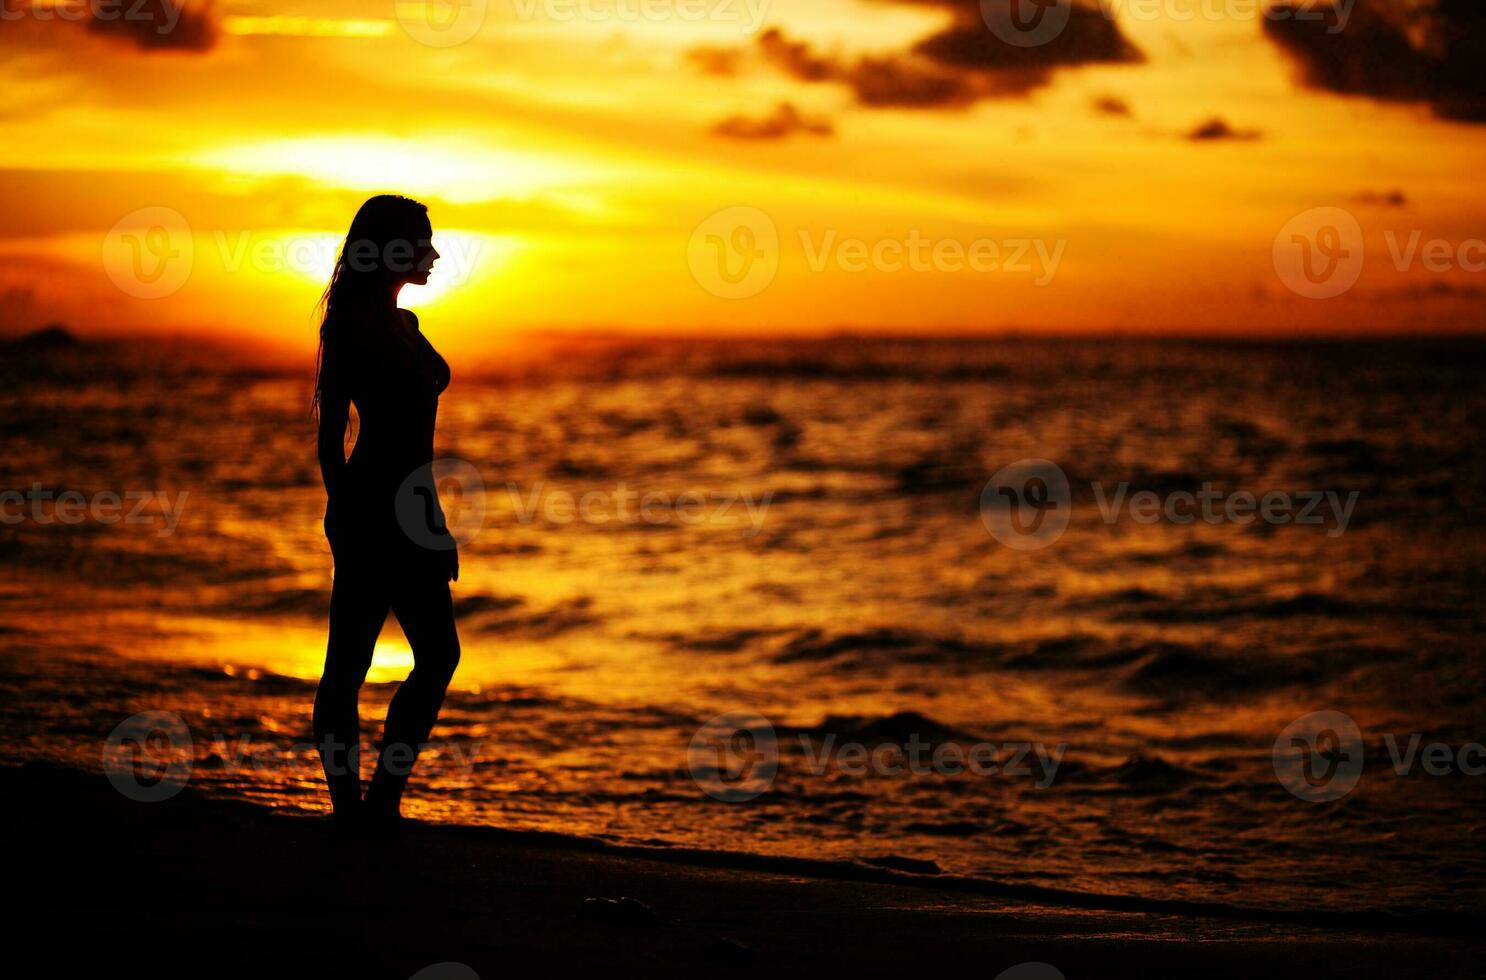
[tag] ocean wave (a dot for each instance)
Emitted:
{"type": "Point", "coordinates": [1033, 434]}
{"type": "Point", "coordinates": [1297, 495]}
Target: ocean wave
{"type": "Point", "coordinates": [894, 729]}
{"type": "Point", "coordinates": [1139, 775]}
{"type": "Point", "coordinates": [539, 624]}
{"type": "Point", "coordinates": [1152, 607]}
{"type": "Point", "coordinates": [814, 644]}
{"type": "Point", "coordinates": [1165, 668]}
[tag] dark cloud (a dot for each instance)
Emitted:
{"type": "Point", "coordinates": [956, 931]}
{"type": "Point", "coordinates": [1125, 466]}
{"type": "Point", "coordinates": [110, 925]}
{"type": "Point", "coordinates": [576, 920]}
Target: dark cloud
{"type": "Point", "coordinates": [783, 122]}
{"type": "Point", "coordinates": [1217, 128]}
{"type": "Point", "coordinates": [961, 63]}
{"type": "Point", "coordinates": [797, 59]}
{"type": "Point", "coordinates": [711, 60]}
{"type": "Point", "coordinates": [893, 81]}
{"type": "Point", "coordinates": [1089, 37]}
{"type": "Point", "coordinates": [890, 80]}
{"type": "Point", "coordinates": [144, 25]}
{"type": "Point", "coordinates": [1438, 289]}
{"type": "Point", "coordinates": [1396, 50]}
{"type": "Point", "coordinates": [1110, 105]}
{"type": "Point", "coordinates": [157, 25]}
{"type": "Point", "coordinates": [1383, 199]}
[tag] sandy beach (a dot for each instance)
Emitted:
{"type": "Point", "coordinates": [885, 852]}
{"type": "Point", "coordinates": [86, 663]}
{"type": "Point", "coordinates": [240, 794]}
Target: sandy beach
{"type": "Point", "coordinates": [199, 887]}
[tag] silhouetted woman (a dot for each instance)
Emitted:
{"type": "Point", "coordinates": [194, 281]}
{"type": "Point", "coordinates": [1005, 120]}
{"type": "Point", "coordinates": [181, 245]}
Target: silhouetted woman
{"type": "Point", "coordinates": [373, 355]}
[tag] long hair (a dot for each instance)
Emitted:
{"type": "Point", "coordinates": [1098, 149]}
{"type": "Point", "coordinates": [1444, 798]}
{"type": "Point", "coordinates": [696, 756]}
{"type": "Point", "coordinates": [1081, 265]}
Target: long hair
{"type": "Point", "coordinates": [362, 270]}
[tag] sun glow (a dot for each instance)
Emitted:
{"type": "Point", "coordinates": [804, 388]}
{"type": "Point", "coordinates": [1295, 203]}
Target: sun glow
{"type": "Point", "coordinates": [455, 169]}
{"type": "Point", "coordinates": [462, 256]}
{"type": "Point", "coordinates": [284, 25]}
{"type": "Point", "coordinates": [391, 661]}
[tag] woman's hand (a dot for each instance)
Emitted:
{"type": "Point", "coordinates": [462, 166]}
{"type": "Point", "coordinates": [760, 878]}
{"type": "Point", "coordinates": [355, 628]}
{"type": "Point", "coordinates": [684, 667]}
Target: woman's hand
{"type": "Point", "coordinates": [454, 564]}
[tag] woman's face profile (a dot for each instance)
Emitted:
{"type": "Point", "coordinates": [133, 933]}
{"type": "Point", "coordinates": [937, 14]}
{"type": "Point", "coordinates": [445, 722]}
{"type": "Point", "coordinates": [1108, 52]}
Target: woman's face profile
{"type": "Point", "coordinates": [424, 256]}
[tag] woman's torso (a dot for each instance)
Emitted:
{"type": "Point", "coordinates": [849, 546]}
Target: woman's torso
{"type": "Point", "coordinates": [394, 378]}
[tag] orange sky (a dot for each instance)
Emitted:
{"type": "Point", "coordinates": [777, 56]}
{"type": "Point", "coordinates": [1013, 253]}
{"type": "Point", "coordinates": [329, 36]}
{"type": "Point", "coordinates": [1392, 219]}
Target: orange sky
{"type": "Point", "coordinates": [573, 153]}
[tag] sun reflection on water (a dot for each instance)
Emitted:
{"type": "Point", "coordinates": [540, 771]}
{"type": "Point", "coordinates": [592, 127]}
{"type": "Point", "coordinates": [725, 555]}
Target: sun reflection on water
{"type": "Point", "coordinates": [391, 661]}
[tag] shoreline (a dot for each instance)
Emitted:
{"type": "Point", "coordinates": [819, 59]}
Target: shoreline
{"type": "Point", "coordinates": [249, 892]}
{"type": "Point", "coordinates": [534, 353]}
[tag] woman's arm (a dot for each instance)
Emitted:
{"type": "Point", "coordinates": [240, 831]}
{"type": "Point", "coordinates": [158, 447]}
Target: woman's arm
{"type": "Point", "coordinates": [335, 414]}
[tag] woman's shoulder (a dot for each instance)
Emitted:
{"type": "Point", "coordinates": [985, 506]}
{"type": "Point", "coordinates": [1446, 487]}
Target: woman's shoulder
{"type": "Point", "coordinates": [409, 317]}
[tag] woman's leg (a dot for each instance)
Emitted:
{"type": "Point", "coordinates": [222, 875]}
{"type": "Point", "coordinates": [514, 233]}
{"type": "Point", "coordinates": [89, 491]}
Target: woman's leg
{"type": "Point", "coordinates": [426, 612]}
{"type": "Point", "coordinates": [358, 608]}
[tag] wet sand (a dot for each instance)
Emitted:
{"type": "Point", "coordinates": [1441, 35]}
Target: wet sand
{"type": "Point", "coordinates": [207, 888]}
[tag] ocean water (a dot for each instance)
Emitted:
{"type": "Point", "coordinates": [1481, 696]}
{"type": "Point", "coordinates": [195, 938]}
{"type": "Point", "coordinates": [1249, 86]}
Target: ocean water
{"type": "Point", "coordinates": [827, 572]}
